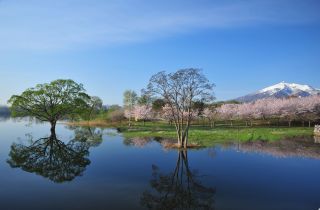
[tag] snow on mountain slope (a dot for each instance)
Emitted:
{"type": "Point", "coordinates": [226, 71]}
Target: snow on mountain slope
{"type": "Point", "coordinates": [281, 90]}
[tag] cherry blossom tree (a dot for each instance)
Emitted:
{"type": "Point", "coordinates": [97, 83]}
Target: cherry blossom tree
{"type": "Point", "coordinates": [228, 112]}
{"type": "Point", "coordinates": [211, 114]}
{"type": "Point", "coordinates": [309, 108]}
{"type": "Point", "coordinates": [128, 113]}
{"type": "Point", "coordinates": [288, 109]}
{"type": "Point", "coordinates": [245, 112]}
{"type": "Point", "coordinates": [142, 112]}
{"type": "Point", "coordinates": [167, 114]}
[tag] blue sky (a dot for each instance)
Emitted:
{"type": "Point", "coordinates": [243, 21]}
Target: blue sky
{"type": "Point", "coordinates": [111, 46]}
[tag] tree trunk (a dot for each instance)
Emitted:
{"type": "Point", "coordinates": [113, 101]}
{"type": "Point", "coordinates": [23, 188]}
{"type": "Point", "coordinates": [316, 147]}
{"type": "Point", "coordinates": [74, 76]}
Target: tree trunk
{"type": "Point", "coordinates": [178, 130]}
{"type": "Point", "coordinates": [289, 123]}
{"type": "Point", "coordinates": [53, 127]}
{"type": "Point", "coordinates": [130, 119]}
{"type": "Point", "coordinates": [309, 123]}
{"type": "Point", "coordinates": [186, 139]}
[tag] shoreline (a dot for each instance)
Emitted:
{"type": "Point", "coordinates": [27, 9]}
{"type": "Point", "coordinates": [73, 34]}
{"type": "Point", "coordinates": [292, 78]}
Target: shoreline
{"type": "Point", "coordinates": [202, 135]}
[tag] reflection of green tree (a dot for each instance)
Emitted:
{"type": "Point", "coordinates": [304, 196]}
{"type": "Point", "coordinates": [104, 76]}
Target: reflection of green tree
{"type": "Point", "coordinates": [51, 158]}
{"type": "Point", "coordinates": [178, 190]}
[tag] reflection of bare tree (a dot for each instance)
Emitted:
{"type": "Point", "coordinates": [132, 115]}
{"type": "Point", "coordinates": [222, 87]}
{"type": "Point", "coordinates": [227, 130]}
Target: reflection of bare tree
{"type": "Point", "coordinates": [51, 158]}
{"type": "Point", "coordinates": [303, 147]}
{"type": "Point", "coordinates": [178, 190]}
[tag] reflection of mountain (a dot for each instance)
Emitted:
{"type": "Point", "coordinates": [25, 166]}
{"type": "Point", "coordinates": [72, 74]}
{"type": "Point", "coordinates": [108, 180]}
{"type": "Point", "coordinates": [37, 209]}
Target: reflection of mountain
{"type": "Point", "coordinates": [52, 158]}
{"type": "Point", "coordinates": [178, 190]}
{"type": "Point", "coordinates": [301, 147]}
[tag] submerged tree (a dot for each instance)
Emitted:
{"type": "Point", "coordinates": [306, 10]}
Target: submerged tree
{"type": "Point", "coordinates": [51, 158]}
{"type": "Point", "coordinates": [180, 90]}
{"type": "Point", "coordinates": [178, 190]}
{"type": "Point", "coordinates": [50, 102]}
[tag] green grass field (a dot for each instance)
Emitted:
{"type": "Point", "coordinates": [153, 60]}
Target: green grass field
{"type": "Point", "coordinates": [206, 136]}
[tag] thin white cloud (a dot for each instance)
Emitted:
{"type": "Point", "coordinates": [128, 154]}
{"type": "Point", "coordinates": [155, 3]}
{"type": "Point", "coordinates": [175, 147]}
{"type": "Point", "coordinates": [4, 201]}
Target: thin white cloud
{"type": "Point", "coordinates": [68, 24]}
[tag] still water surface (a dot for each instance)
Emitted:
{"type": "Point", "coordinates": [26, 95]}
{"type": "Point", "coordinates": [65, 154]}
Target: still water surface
{"type": "Point", "coordinates": [98, 169]}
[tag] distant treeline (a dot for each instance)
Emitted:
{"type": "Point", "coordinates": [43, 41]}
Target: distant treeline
{"type": "Point", "coordinates": [4, 111]}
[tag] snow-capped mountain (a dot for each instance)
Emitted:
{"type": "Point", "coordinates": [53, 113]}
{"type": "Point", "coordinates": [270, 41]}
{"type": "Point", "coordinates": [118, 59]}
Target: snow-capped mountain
{"type": "Point", "coordinates": [281, 90]}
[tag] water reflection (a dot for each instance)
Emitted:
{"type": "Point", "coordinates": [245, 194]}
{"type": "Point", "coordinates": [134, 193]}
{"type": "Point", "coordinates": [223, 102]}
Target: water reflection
{"type": "Point", "coordinates": [144, 141]}
{"type": "Point", "coordinates": [4, 118]}
{"type": "Point", "coordinates": [181, 189]}
{"type": "Point", "coordinates": [137, 141]}
{"type": "Point", "coordinates": [293, 147]}
{"type": "Point", "coordinates": [317, 139]}
{"type": "Point", "coordinates": [53, 158]}
{"type": "Point", "coordinates": [89, 135]}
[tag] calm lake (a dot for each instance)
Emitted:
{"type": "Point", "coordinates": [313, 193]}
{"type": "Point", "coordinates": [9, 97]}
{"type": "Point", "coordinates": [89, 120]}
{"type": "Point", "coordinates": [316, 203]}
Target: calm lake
{"type": "Point", "coordinates": [98, 169]}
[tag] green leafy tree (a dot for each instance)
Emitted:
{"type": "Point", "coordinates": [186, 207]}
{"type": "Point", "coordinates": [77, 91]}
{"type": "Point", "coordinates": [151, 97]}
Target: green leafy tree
{"type": "Point", "coordinates": [50, 102]}
{"type": "Point", "coordinates": [145, 99]}
{"type": "Point", "coordinates": [158, 104]}
{"type": "Point", "coordinates": [94, 107]}
{"type": "Point", "coordinates": [130, 99]}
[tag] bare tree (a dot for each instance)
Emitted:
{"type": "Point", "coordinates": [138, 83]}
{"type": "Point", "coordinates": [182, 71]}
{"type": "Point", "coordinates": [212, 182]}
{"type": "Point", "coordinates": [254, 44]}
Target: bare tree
{"type": "Point", "coordinates": [180, 90]}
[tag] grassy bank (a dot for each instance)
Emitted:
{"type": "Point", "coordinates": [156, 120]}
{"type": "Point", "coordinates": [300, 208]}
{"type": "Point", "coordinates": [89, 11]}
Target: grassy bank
{"type": "Point", "coordinates": [204, 135]}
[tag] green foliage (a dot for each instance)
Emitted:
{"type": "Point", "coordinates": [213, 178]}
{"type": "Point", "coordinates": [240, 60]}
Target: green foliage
{"type": "Point", "coordinates": [145, 99]}
{"type": "Point", "coordinates": [158, 104]}
{"type": "Point", "coordinates": [129, 98]}
{"type": "Point", "coordinates": [51, 101]}
{"type": "Point", "coordinates": [199, 106]}
{"type": "Point", "coordinates": [93, 108]}
{"type": "Point", "coordinates": [114, 107]}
